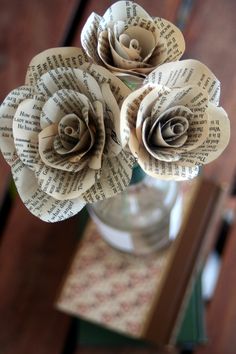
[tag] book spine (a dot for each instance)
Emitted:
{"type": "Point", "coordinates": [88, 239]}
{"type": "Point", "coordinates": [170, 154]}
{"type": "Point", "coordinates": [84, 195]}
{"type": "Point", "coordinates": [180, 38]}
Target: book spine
{"type": "Point", "coordinates": [165, 314]}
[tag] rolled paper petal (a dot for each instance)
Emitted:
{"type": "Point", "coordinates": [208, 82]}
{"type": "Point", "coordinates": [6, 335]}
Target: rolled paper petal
{"type": "Point", "coordinates": [95, 161]}
{"type": "Point", "coordinates": [26, 127]}
{"type": "Point", "coordinates": [65, 144]}
{"type": "Point", "coordinates": [158, 55]}
{"type": "Point", "coordinates": [174, 141]}
{"type": "Point", "coordinates": [176, 170]}
{"type": "Point", "coordinates": [121, 44]}
{"type": "Point", "coordinates": [174, 136]}
{"type": "Point", "coordinates": [64, 147]}
{"type": "Point", "coordinates": [217, 140]}
{"type": "Point", "coordinates": [134, 144]}
{"type": "Point", "coordinates": [64, 185]}
{"type": "Point", "coordinates": [185, 73]}
{"type": "Point", "coordinates": [89, 36]}
{"type": "Point", "coordinates": [128, 48]}
{"type": "Point", "coordinates": [50, 156]}
{"type": "Point", "coordinates": [175, 127]}
{"type": "Point", "coordinates": [121, 10]}
{"type": "Point", "coordinates": [147, 35]}
{"type": "Point", "coordinates": [102, 75]}
{"type": "Point", "coordinates": [62, 103]}
{"type": "Point", "coordinates": [54, 58]}
{"type": "Point", "coordinates": [128, 40]}
{"type": "Point", "coordinates": [196, 100]}
{"type": "Point", "coordinates": [173, 37]}
{"type": "Point", "coordinates": [129, 111]}
{"type": "Point", "coordinates": [155, 105]}
{"type": "Point", "coordinates": [67, 79]}
{"type": "Point", "coordinates": [7, 112]}
{"type": "Point", "coordinates": [74, 134]}
{"type": "Point", "coordinates": [39, 203]}
{"type": "Point", "coordinates": [112, 123]}
{"type": "Point", "coordinates": [112, 107]}
{"type": "Point", "coordinates": [108, 55]}
{"type": "Point", "coordinates": [158, 152]}
{"type": "Point", "coordinates": [145, 39]}
{"type": "Point", "coordinates": [73, 127]}
{"type": "Point", "coordinates": [171, 124]}
{"type": "Point", "coordinates": [146, 106]}
{"type": "Point", "coordinates": [113, 60]}
{"type": "Point", "coordinates": [115, 177]}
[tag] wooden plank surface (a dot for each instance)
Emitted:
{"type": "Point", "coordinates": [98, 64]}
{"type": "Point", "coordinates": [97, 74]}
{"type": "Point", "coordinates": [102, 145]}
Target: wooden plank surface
{"type": "Point", "coordinates": [34, 255]}
{"type": "Point", "coordinates": [28, 27]}
{"type": "Point", "coordinates": [33, 258]}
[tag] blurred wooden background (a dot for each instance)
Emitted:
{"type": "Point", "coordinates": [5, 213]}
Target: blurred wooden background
{"type": "Point", "coordinates": [34, 255]}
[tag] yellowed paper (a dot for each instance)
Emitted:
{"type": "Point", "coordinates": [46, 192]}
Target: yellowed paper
{"type": "Point", "coordinates": [7, 111]}
{"type": "Point", "coordinates": [172, 124]}
{"type": "Point", "coordinates": [187, 72]}
{"type": "Point", "coordinates": [126, 39]}
{"type": "Point", "coordinates": [38, 202]}
{"type": "Point", "coordinates": [62, 134]}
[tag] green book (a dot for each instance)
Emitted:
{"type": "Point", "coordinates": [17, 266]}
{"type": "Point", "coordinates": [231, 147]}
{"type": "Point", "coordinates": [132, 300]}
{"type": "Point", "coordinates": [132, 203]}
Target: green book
{"type": "Point", "coordinates": [192, 329]}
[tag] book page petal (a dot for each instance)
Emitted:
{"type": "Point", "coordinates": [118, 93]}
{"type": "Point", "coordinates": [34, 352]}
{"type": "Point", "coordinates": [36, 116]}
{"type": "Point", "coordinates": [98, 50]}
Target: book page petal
{"type": "Point", "coordinates": [177, 171]}
{"type": "Point", "coordinates": [174, 39]}
{"type": "Point", "coordinates": [217, 140]}
{"type": "Point", "coordinates": [26, 127]}
{"type": "Point", "coordinates": [89, 35]}
{"type": "Point", "coordinates": [7, 112]}
{"type": "Point", "coordinates": [115, 177]}
{"type": "Point", "coordinates": [53, 58]}
{"type": "Point", "coordinates": [123, 10]}
{"type": "Point", "coordinates": [187, 72]}
{"type": "Point", "coordinates": [39, 203]}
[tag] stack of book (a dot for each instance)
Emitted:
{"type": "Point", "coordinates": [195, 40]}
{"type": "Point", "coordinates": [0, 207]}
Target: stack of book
{"type": "Point", "coordinates": [119, 297]}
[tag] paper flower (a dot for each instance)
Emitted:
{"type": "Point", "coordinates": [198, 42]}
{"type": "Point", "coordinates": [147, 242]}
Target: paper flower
{"type": "Point", "coordinates": [173, 123]}
{"type": "Point", "coordinates": [127, 39]}
{"type": "Point", "coordinates": [60, 133]}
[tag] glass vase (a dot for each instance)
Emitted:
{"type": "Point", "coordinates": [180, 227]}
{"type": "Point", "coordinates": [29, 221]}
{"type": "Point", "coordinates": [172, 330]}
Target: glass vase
{"type": "Point", "coordinates": [144, 218]}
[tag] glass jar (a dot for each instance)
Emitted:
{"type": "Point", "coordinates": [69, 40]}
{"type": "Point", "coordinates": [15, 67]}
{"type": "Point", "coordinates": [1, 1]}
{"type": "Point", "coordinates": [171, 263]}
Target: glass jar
{"type": "Point", "coordinates": [144, 218]}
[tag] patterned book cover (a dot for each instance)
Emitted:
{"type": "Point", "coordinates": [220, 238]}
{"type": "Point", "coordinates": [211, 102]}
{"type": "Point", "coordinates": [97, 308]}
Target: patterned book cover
{"type": "Point", "coordinates": [111, 288]}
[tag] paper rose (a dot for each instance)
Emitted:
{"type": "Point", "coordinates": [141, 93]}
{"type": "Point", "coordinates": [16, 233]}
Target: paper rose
{"type": "Point", "coordinates": [173, 123]}
{"type": "Point", "coordinates": [60, 133]}
{"type": "Point", "coordinates": [127, 39]}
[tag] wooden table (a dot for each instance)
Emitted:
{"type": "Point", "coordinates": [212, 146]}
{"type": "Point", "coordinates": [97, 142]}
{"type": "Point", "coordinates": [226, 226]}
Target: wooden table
{"type": "Point", "coordinates": [34, 255]}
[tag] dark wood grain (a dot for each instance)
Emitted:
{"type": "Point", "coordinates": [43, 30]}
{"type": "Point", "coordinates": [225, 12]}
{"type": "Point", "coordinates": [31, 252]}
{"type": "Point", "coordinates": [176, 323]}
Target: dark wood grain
{"type": "Point", "coordinates": [33, 258]}
{"type": "Point", "coordinates": [27, 28]}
